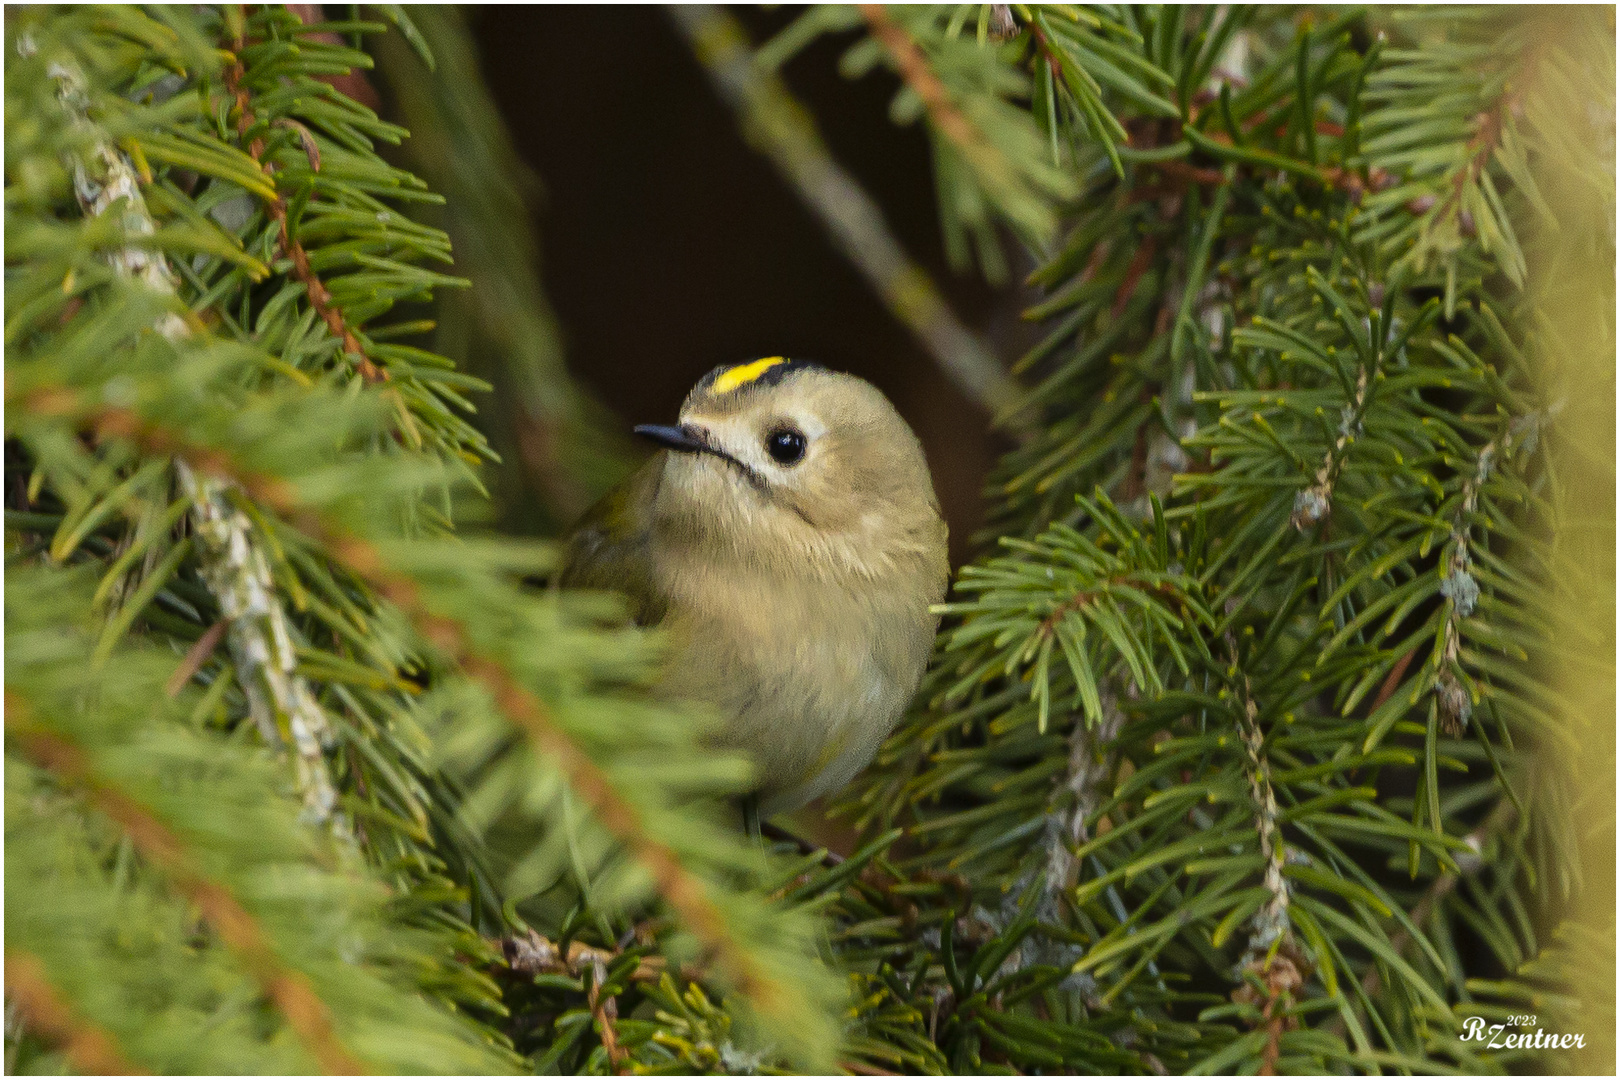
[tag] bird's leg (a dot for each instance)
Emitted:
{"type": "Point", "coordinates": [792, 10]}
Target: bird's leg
{"type": "Point", "coordinates": [751, 825]}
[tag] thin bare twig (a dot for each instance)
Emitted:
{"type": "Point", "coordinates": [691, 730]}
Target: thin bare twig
{"type": "Point", "coordinates": [196, 657]}
{"type": "Point", "coordinates": [1393, 680]}
{"type": "Point", "coordinates": [781, 128]}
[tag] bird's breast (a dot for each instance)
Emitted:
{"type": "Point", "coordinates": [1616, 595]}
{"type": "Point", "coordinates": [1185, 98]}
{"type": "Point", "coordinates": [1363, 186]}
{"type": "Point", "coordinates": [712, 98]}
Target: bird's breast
{"type": "Point", "coordinates": [809, 676]}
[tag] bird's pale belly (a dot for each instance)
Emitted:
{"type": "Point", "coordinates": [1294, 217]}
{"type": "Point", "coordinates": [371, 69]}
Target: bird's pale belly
{"type": "Point", "coordinates": [808, 690]}
{"type": "Point", "coordinates": [819, 725]}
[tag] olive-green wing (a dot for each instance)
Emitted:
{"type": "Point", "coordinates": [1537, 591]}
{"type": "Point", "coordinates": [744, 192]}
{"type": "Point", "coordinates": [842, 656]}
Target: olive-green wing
{"type": "Point", "coordinates": [610, 548]}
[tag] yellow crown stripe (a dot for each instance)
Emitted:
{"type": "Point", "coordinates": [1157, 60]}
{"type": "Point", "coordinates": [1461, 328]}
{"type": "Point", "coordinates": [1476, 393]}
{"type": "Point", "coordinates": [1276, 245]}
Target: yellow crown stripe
{"type": "Point", "coordinates": [743, 374]}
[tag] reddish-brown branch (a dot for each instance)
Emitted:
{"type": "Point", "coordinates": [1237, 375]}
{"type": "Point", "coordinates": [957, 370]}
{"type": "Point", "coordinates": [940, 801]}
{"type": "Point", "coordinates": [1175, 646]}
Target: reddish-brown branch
{"type": "Point", "coordinates": [532, 954]}
{"type": "Point", "coordinates": [684, 893]}
{"type": "Point", "coordinates": [916, 74]}
{"type": "Point", "coordinates": [305, 1012]}
{"type": "Point", "coordinates": [88, 1049]}
{"type": "Point", "coordinates": [1274, 1034]}
{"type": "Point", "coordinates": [1068, 607]}
{"type": "Point", "coordinates": [1133, 275]}
{"type": "Point", "coordinates": [1044, 44]}
{"type": "Point", "coordinates": [1080, 599]}
{"type": "Point", "coordinates": [1099, 255]}
{"type": "Point", "coordinates": [1258, 120]}
{"type": "Point", "coordinates": [605, 1012]}
{"type": "Point", "coordinates": [1487, 136]}
{"type": "Point", "coordinates": [1136, 477]}
{"type": "Point", "coordinates": [1394, 679]}
{"type": "Point", "coordinates": [1180, 170]}
{"type": "Point", "coordinates": [196, 657]}
{"type": "Point", "coordinates": [319, 297]}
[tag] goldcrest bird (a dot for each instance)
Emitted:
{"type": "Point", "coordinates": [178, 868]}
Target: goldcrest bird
{"type": "Point", "coordinates": [788, 538]}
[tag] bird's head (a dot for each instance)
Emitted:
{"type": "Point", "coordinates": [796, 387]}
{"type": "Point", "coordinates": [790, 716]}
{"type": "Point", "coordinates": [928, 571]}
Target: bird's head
{"type": "Point", "coordinates": [778, 462]}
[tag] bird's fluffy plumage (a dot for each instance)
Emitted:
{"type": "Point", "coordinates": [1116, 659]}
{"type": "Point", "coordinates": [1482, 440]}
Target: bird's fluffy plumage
{"type": "Point", "coordinates": [797, 593]}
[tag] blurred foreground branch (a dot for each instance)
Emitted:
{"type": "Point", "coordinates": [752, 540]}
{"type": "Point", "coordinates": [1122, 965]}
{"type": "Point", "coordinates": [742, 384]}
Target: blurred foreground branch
{"type": "Point", "coordinates": [502, 328]}
{"type": "Point", "coordinates": [1570, 259]}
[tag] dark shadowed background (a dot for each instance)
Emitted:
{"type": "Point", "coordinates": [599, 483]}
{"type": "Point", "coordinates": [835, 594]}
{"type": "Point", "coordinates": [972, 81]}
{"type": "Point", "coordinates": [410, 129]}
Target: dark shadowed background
{"type": "Point", "coordinates": [669, 246]}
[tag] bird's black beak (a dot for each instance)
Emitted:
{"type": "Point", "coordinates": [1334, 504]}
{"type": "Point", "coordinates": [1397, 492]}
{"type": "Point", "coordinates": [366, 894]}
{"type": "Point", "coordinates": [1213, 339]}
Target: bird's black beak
{"type": "Point", "coordinates": [675, 438]}
{"type": "Point", "coordinates": [689, 440]}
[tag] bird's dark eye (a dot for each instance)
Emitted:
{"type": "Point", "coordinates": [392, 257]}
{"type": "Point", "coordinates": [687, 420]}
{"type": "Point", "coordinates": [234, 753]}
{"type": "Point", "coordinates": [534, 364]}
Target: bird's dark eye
{"type": "Point", "coordinates": [785, 446]}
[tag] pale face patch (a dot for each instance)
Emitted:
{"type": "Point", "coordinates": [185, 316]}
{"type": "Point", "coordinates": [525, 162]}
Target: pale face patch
{"type": "Point", "coordinates": [743, 374]}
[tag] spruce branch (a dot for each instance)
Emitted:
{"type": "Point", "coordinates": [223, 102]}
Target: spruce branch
{"type": "Point", "coordinates": [1458, 585]}
{"type": "Point", "coordinates": [142, 822]}
{"type": "Point", "coordinates": [320, 298]}
{"type": "Point", "coordinates": [1302, 347]}
{"type": "Point", "coordinates": [234, 564]}
{"type": "Point", "coordinates": [1273, 958]}
{"type": "Point", "coordinates": [280, 701]}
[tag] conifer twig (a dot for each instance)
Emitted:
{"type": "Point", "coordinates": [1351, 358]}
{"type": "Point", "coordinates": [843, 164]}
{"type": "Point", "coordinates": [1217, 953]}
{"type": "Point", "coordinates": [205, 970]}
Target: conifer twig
{"type": "Point", "coordinates": [1272, 955]}
{"type": "Point", "coordinates": [232, 563]}
{"type": "Point", "coordinates": [87, 1048]}
{"type": "Point", "coordinates": [1271, 921]}
{"type": "Point", "coordinates": [320, 298]}
{"type": "Point", "coordinates": [942, 111]}
{"type": "Point", "coordinates": [605, 1012]}
{"type": "Point", "coordinates": [534, 953]}
{"type": "Point", "coordinates": [1314, 503]}
{"type": "Point", "coordinates": [777, 125]}
{"type": "Point", "coordinates": [1461, 592]}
